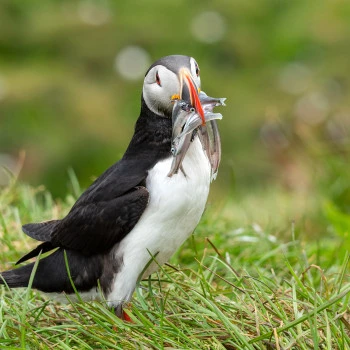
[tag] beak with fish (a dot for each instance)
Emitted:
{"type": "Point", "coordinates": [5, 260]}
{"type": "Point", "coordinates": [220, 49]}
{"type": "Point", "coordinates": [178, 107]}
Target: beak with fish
{"type": "Point", "coordinates": [193, 115]}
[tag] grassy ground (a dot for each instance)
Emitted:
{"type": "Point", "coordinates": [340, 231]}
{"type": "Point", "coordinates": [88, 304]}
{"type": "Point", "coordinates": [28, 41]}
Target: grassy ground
{"type": "Point", "coordinates": [260, 281]}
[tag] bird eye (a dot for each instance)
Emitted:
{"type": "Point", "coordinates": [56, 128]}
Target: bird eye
{"type": "Point", "coordinates": [158, 79]}
{"type": "Point", "coordinates": [197, 70]}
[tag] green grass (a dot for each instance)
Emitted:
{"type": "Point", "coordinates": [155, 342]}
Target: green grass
{"type": "Point", "coordinates": [260, 281]}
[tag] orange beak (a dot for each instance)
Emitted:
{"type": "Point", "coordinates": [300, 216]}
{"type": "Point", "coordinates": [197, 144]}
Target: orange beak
{"type": "Point", "coordinates": [186, 77]}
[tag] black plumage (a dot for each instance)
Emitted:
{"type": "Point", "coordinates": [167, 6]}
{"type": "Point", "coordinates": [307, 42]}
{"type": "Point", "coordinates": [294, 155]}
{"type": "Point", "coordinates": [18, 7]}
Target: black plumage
{"type": "Point", "coordinates": [52, 276]}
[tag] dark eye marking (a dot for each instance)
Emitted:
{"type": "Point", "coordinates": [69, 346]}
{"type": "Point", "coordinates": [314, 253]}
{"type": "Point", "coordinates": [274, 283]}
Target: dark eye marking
{"type": "Point", "coordinates": [158, 79]}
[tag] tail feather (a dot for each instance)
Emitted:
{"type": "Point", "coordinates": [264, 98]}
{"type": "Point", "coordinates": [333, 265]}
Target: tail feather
{"type": "Point", "coordinates": [43, 248]}
{"type": "Point", "coordinates": [51, 274]}
{"type": "Point", "coordinates": [18, 277]}
{"type": "Point", "coordinates": [41, 231]}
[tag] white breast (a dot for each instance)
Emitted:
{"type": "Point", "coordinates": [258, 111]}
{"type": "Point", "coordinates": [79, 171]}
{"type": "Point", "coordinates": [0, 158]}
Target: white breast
{"type": "Point", "coordinates": [175, 208]}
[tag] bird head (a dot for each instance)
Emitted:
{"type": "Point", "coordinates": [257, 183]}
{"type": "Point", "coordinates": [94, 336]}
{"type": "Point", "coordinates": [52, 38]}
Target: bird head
{"type": "Point", "coordinates": [169, 79]}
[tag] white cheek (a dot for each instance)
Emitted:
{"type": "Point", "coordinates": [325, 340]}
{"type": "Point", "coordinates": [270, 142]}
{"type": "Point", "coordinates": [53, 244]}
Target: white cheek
{"type": "Point", "coordinates": [158, 98]}
{"type": "Point", "coordinates": [155, 99]}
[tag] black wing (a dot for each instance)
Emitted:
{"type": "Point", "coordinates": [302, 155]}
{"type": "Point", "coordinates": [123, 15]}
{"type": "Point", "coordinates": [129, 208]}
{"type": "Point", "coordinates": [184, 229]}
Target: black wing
{"type": "Point", "coordinates": [117, 180]}
{"type": "Point", "coordinates": [91, 227]}
{"type": "Point", "coordinates": [96, 227]}
{"type": "Point", "coordinates": [102, 216]}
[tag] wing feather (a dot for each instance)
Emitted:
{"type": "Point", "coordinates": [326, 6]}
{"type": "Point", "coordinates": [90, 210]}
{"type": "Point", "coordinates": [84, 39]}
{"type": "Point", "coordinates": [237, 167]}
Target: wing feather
{"type": "Point", "coordinates": [96, 227]}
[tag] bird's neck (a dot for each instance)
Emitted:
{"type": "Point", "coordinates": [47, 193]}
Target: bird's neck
{"type": "Point", "coordinates": [152, 134]}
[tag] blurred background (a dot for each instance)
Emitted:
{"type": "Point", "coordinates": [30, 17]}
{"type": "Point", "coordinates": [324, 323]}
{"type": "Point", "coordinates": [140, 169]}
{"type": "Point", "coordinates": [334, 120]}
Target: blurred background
{"type": "Point", "coordinates": [71, 74]}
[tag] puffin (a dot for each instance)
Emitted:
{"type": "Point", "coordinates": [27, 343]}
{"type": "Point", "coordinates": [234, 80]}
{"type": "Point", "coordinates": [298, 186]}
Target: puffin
{"type": "Point", "coordinates": [135, 216]}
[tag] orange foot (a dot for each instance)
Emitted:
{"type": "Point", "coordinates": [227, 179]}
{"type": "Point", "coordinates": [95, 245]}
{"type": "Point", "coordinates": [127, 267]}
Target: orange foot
{"type": "Point", "coordinates": [126, 317]}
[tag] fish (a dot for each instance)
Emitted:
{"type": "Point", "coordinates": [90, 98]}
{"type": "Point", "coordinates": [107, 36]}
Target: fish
{"type": "Point", "coordinates": [210, 138]}
{"type": "Point", "coordinates": [182, 111]}
{"type": "Point", "coordinates": [208, 103]}
{"type": "Point", "coordinates": [187, 124]}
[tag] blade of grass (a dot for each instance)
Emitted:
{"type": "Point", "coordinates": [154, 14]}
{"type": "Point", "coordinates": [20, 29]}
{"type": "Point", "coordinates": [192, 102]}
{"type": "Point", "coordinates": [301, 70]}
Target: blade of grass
{"type": "Point", "coordinates": [305, 317]}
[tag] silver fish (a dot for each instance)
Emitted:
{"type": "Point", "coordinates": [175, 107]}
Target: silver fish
{"type": "Point", "coordinates": [194, 121]}
{"type": "Point", "coordinates": [214, 148]}
{"type": "Point", "coordinates": [179, 155]}
{"type": "Point", "coordinates": [182, 111]}
{"type": "Point", "coordinates": [187, 124]}
{"type": "Point", "coordinates": [210, 138]}
{"type": "Point", "coordinates": [208, 103]}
